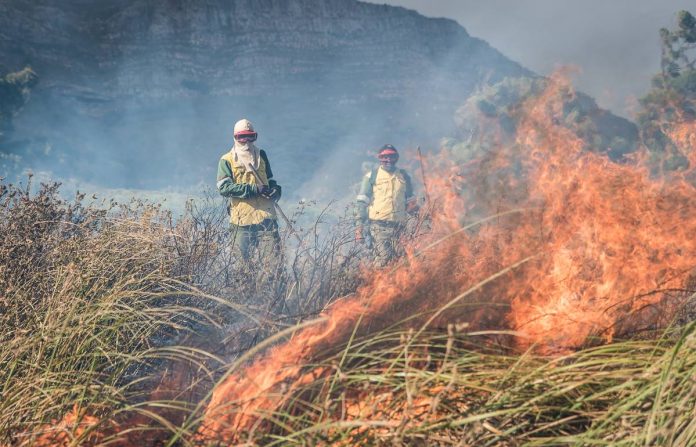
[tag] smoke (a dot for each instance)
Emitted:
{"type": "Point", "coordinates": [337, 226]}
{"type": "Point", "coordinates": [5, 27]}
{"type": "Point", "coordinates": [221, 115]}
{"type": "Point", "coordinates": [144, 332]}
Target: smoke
{"type": "Point", "coordinates": [141, 95]}
{"type": "Point", "coordinates": [616, 44]}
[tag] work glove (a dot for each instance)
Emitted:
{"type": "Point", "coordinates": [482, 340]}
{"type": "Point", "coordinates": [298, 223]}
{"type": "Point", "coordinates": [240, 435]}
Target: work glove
{"type": "Point", "coordinates": [263, 190]}
{"type": "Point", "coordinates": [274, 193]}
{"type": "Point", "coordinates": [412, 207]}
{"type": "Point", "coordinates": [359, 236]}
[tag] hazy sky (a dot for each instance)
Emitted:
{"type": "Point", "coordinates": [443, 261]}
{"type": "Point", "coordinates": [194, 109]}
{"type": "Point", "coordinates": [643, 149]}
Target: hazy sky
{"type": "Point", "coordinates": [615, 43]}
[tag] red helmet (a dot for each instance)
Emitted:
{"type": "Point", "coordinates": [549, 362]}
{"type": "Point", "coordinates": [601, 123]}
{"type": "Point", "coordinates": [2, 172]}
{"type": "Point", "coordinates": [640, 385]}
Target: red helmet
{"type": "Point", "coordinates": [388, 152]}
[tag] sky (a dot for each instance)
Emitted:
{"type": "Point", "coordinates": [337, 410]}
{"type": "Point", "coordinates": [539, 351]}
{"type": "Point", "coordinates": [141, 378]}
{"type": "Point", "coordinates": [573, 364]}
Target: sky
{"type": "Point", "coordinates": [614, 43]}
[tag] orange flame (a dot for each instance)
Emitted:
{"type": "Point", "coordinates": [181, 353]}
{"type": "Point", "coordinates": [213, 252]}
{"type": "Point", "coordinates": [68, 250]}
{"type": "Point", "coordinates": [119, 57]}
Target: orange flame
{"type": "Point", "coordinates": [683, 135]}
{"type": "Point", "coordinates": [611, 244]}
{"type": "Point", "coordinates": [615, 237]}
{"type": "Point", "coordinates": [75, 424]}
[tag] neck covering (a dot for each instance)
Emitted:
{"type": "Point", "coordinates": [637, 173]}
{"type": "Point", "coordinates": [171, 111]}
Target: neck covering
{"type": "Point", "coordinates": [245, 154]}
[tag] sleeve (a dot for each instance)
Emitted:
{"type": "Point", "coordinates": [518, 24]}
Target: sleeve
{"type": "Point", "coordinates": [365, 193]}
{"type": "Point", "coordinates": [362, 201]}
{"type": "Point", "coordinates": [228, 188]}
{"type": "Point", "coordinates": [269, 172]}
{"type": "Point", "coordinates": [269, 175]}
{"type": "Point", "coordinates": [409, 185]}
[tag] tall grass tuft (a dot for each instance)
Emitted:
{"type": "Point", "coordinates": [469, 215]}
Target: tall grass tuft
{"type": "Point", "coordinates": [461, 389]}
{"type": "Point", "coordinates": [88, 302]}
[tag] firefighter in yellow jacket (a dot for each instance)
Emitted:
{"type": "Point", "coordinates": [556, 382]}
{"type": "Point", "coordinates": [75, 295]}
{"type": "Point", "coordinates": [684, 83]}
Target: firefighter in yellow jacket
{"type": "Point", "coordinates": [252, 211]}
{"type": "Point", "coordinates": [383, 204]}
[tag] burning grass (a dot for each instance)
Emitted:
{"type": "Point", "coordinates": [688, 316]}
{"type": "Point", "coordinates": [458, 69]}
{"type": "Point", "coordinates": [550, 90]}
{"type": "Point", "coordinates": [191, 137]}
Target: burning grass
{"type": "Point", "coordinates": [460, 388]}
{"type": "Point", "coordinates": [575, 250]}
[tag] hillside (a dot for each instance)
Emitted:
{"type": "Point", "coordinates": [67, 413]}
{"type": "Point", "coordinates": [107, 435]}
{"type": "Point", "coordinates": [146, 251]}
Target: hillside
{"type": "Point", "coordinates": [139, 93]}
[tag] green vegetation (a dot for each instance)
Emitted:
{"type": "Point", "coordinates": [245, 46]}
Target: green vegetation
{"type": "Point", "coordinates": [489, 119]}
{"type": "Point", "coordinates": [673, 96]}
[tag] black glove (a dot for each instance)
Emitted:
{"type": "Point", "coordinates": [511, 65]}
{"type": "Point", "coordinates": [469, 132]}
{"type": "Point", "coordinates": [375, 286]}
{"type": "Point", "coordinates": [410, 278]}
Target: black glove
{"type": "Point", "coordinates": [263, 190]}
{"type": "Point", "coordinates": [276, 190]}
{"type": "Point", "coordinates": [274, 193]}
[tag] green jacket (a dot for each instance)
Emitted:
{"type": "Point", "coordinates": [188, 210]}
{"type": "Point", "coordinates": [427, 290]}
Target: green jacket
{"type": "Point", "coordinates": [247, 207]}
{"type": "Point", "coordinates": [228, 188]}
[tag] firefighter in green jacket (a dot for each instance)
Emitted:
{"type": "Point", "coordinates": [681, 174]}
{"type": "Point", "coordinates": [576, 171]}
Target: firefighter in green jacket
{"type": "Point", "coordinates": [252, 209]}
{"type": "Point", "coordinates": [383, 204]}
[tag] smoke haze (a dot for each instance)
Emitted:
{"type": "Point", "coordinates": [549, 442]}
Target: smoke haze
{"type": "Point", "coordinates": [614, 43]}
{"type": "Point", "coordinates": [142, 95]}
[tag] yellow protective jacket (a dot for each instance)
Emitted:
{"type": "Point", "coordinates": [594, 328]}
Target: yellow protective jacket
{"type": "Point", "coordinates": [384, 196]}
{"type": "Point", "coordinates": [247, 207]}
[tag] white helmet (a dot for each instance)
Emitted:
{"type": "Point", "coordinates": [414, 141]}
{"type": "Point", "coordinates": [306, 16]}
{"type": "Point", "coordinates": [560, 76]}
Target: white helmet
{"type": "Point", "coordinates": [243, 129]}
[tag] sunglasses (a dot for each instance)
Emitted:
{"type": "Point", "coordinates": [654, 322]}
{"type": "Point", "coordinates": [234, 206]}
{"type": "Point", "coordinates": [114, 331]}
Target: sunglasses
{"type": "Point", "coordinates": [246, 138]}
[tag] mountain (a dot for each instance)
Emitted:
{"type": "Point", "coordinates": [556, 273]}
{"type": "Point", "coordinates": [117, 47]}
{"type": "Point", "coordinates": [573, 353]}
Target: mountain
{"type": "Point", "coordinates": [144, 93]}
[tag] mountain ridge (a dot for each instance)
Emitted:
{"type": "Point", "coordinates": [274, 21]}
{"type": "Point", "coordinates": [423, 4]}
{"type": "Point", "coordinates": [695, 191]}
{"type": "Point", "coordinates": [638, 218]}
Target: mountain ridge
{"type": "Point", "coordinates": [134, 93]}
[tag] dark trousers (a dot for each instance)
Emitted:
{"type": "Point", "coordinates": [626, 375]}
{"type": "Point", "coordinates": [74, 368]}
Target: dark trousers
{"type": "Point", "coordinates": [259, 242]}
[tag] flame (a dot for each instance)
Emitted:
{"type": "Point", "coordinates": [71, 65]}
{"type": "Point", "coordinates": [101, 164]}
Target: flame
{"type": "Point", "coordinates": [614, 236]}
{"type": "Point", "coordinates": [609, 243]}
{"type": "Point", "coordinates": [683, 135]}
{"type": "Point", "coordinates": [416, 285]}
{"type": "Point", "coordinates": [75, 424]}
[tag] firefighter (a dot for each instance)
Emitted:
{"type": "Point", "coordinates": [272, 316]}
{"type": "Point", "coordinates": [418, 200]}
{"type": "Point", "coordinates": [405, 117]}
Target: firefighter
{"type": "Point", "coordinates": [382, 206]}
{"type": "Point", "coordinates": [251, 208]}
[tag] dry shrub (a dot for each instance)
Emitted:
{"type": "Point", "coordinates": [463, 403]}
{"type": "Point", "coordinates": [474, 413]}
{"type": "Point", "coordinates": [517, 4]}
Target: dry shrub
{"type": "Point", "coordinates": [102, 304]}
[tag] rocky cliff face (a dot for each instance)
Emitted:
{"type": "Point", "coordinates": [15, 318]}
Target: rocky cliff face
{"type": "Point", "coordinates": [135, 93]}
{"type": "Point", "coordinates": [149, 47]}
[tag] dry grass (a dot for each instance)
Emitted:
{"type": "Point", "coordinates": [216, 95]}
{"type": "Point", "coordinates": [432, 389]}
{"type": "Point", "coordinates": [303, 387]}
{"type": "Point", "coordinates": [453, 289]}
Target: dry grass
{"type": "Point", "coordinates": [457, 389]}
{"type": "Point", "coordinates": [115, 322]}
{"type": "Point", "coordinates": [121, 313]}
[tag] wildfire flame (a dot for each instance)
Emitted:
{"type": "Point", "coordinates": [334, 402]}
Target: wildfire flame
{"type": "Point", "coordinates": [74, 424]}
{"type": "Point", "coordinates": [611, 248]}
{"type": "Point", "coordinates": [614, 240]}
